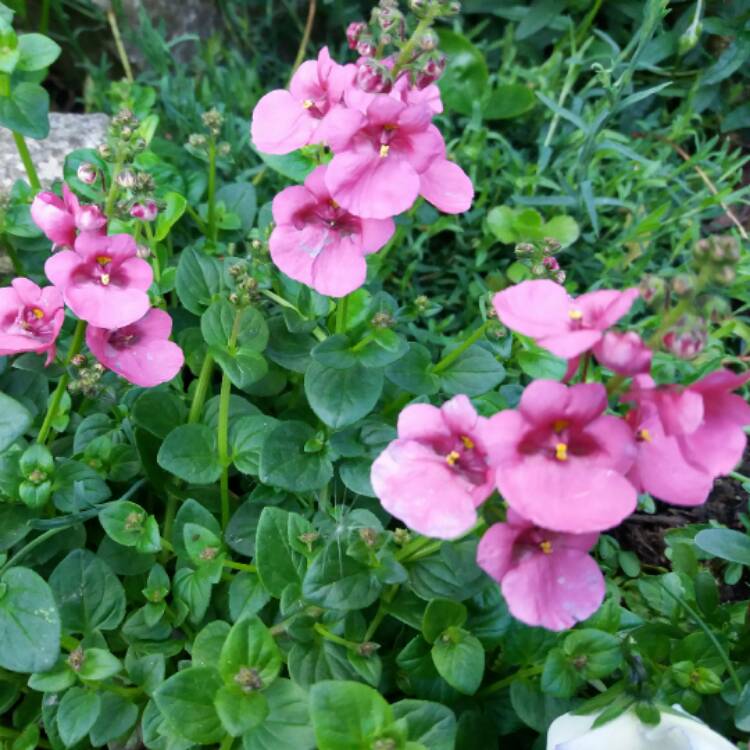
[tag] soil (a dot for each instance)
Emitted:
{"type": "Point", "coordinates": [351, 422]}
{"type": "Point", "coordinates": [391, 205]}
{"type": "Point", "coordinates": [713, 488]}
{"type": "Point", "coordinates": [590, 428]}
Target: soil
{"type": "Point", "coordinates": [643, 534]}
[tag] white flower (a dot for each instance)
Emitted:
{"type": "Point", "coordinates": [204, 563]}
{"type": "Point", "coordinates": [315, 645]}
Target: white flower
{"type": "Point", "coordinates": [675, 731]}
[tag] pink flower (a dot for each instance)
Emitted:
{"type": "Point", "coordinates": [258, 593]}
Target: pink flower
{"type": "Point", "coordinates": [435, 474]}
{"type": "Point", "coordinates": [687, 437]}
{"type": "Point", "coordinates": [59, 218]}
{"type": "Point", "coordinates": [102, 280]}
{"type": "Point", "coordinates": [284, 121]}
{"type": "Point", "coordinates": [146, 211]}
{"type": "Point", "coordinates": [395, 155]}
{"type": "Point", "coordinates": [563, 325]}
{"type": "Point", "coordinates": [623, 353]}
{"type": "Point", "coordinates": [547, 578]}
{"type": "Point", "coordinates": [320, 244]}
{"type": "Point", "coordinates": [140, 352]}
{"type": "Point", "coordinates": [30, 318]}
{"type": "Point", "coordinates": [560, 461]}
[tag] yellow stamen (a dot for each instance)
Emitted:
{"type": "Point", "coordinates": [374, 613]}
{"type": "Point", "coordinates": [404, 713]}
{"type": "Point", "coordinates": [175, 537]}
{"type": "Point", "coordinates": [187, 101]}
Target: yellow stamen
{"type": "Point", "coordinates": [644, 435]}
{"type": "Point", "coordinates": [105, 279]}
{"type": "Point", "coordinates": [559, 425]}
{"type": "Point", "coordinates": [308, 104]}
{"type": "Point", "coordinates": [37, 312]}
{"type": "Point", "coordinates": [102, 260]}
{"type": "Point", "coordinates": [468, 442]}
{"type": "Point", "coordinates": [332, 203]}
{"type": "Point", "coordinates": [575, 314]}
{"type": "Point", "coordinates": [452, 458]}
{"type": "Point", "coordinates": [384, 149]}
{"type": "Point", "coordinates": [561, 452]}
{"type": "Point", "coordinates": [546, 547]}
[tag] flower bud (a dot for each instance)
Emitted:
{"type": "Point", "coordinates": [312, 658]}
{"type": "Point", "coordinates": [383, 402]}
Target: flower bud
{"type": "Point", "coordinates": [126, 179]}
{"type": "Point", "coordinates": [683, 284]}
{"type": "Point", "coordinates": [430, 71]}
{"type": "Point", "coordinates": [104, 151]}
{"type": "Point", "coordinates": [366, 48]}
{"type": "Point", "coordinates": [126, 132]}
{"type": "Point", "coordinates": [90, 219]}
{"type": "Point", "coordinates": [78, 361]}
{"type": "Point", "coordinates": [652, 289]}
{"type": "Point", "coordinates": [428, 41]}
{"type": "Point", "coordinates": [382, 320]}
{"type": "Point", "coordinates": [143, 252]}
{"type": "Point", "coordinates": [422, 302]}
{"type": "Point", "coordinates": [524, 248]}
{"type": "Point", "coordinates": [353, 33]}
{"type": "Point", "coordinates": [146, 211]}
{"type": "Point", "coordinates": [197, 140]}
{"type": "Point", "coordinates": [87, 173]}
{"type": "Point", "coordinates": [623, 353]}
{"type": "Point", "coordinates": [725, 275]}
{"type": "Point", "coordinates": [560, 277]}
{"type": "Point", "coordinates": [223, 149]}
{"type": "Point", "coordinates": [373, 78]}
{"type": "Point", "coordinates": [687, 338]}
{"type": "Point", "coordinates": [550, 263]}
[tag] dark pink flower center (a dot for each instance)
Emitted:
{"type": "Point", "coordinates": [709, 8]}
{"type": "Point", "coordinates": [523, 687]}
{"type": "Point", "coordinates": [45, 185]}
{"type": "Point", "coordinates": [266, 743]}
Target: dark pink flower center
{"type": "Point", "coordinates": [464, 457]}
{"type": "Point", "coordinates": [534, 540]}
{"type": "Point", "coordinates": [101, 270]}
{"type": "Point", "coordinates": [32, 321]}
{"type": "Point", "coordinates": [330, 215]}
{"type": "Point", "coordinates": [560, 441]}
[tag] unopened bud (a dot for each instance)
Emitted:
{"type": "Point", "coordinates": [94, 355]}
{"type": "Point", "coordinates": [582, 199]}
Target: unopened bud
{"type": "Point", "coordinates": [524, 248]}
{"type": "Point", "coordinates": [366, 48]}
{"type": "Point", "coordinates": [90, 219]}
{"type": "Point", "coordinates": [431, 70]}
{"type": "Point", "coordinates": [683, 284]}
{"type": "Point", "coordinates": [725, 275]}
{"type": "Point", "coordinates": [308, 538]}
{"type": "Point", "coordinates": [126, 179]}
{"type": "Point", "coordinates": [87, 173]}
{"type": "Point", "coordinates": [687, 338]}
{"type": "Point", "coordinates": [143, 252]}
{"type": "Point", "coordinates": [382, 320]}
{"type": "Point", "coordinates": [354, 32]}
{"type": "Point", "coordinates": [146, 211]}
{"type": "Point", "coordinates": [75, 659]}
{"type": "Point", "coordinates": [213, 120]}
{"type": "Point", "coordinates": [560, 277]}
{"type": "Point", "coordinates": [373, 78]}
{"type": "Point", "coordinates": [37, 476]}
{"type": "Point", "coordinates": [126, 132]}
{"type": "Point", "coordinates": [401, 536]}
{"type": "Point", "coordinates": [223, 149]}
{"type": "Point", "coordinates": [104, 151]}
{"type": "Point", "coordinates": [248, 679]}
{"type": "Point", "coordinates": [652, 289]}
{"type": "Point", "coordinates": [429, 41]}
{"type": "Point", "coordinates": [422, 302]}
{"type": "Point", "coordinates": [368, 648]}
{"type": "Point", "coordinates": [550, 263]}
{"type": "Point", "coordinates": [197, 140]}
{"type": "Point", "coordinates": [78, 361]}
{"type": "Point", "coordinates": [369, 536]}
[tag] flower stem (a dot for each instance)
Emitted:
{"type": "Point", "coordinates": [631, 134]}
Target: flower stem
{"type": "Point", "coordinates": [201, 390]}
{"type": "Point", "coordinates": [341, 310]}
{"type": "Point", "coordinates": [246, 567]}
{"type": "Point", "coordinates": [28, 164]}
{"type": "Point", "coordinates": [30, 546]}
{"type": "Point", "coordinates": [305, 36]}
{"type": "Point", "coordinates": [496, 687]}
{"type": "Point", "coordinates": [54, 404]}
{"type": "Point", "coordinates": [454, 354]}
{"type": "Point", "coordinates": [333, 638]}
{"type": "Point", "coordinates": [404, 56]}
{"type": "Point", "coordinates": [112, 193]}
{"type": "Point", "coordinates": [222, 436]}
{"type": "Point", "coordinates": [212, 228]}
{"type": "Point", "coordinates": [122, 54]}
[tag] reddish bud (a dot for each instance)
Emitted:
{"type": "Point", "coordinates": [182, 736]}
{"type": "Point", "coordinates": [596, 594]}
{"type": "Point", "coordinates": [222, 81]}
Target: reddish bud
{"type": "Point", "coordinates": [145, 211]}
{"type": "Point", "coordinates": [373, 78]}
{"type": "Point", "coordinates": [353, 33]}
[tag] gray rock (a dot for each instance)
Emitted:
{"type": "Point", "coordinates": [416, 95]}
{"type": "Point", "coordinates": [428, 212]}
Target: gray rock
{"type": "Point", "coordinates": [68, 132]}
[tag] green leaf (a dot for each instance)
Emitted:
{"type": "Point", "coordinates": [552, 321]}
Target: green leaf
{"type": "Point", "coordinates": [77, 713]}
{"type": "Point", "coordinates": [36, 52]}
{"type": "Point", "coordinates": [342, 397]}
{"type": "Point", "coordinates": [243, 367]}
{"type": "Point", "coordinates": [128, 524]}
{"type": "Point", "coordinates": [15, 419]}
{"type": "Point", "coordinates": [337, 581]}
{"type": "Point", "coordinates": [288, 721]}
{"type": "Point", "coordinates": [541, 364]}
{"type": "Point", "coordinates": [89, 594]}
{"type": "Point", "coordinates": [186, 700]}
{"type": "Point", "coordinates": [250, 653]}
{"type": "Point", "coordinates": [594, 653]}
{"type": "Point", "coordinates": [459, 659]}
{"type": "Point", "coordinates": [465, 79]}
{"type": "Point", "coordinates": [117, 716]}
{"type": "Point", "coordinates": [209, 642]}
{"type": "Point", "coordinates": [727, 544]}
{"type": "Point", "coordinates": [440, 615]}
{"type": "Point", "coordinates": [474, 373]}
{"type": "Point", "coordinates": [560, 677]}
{"type": "Point", "coordinates": [29, 622]}
{"type": "Point", "coordinates": [278, 564]}
{"type": "Point", "coordinates": [247, 596]}
{"type": "Point", "coordinates": [198, 280]}
{"type": "Point", "coordinates": [246, 438]}
{"type": "Point", "coordinates": [175, 205]}
{"type": "Point", "coordinates": [201, 544]}
{"type": "Point", "coordinates": [295, 166]}
{"type": "Point", "coordinates": [239, 198]}
{"type": "Point", "coordinates": [99, 664]}
{"type": "Point", "coordinates": [431, 724]}
{"type": "Point", "coordinates": [284, 462]}
{"type": "Point", "coordinates": [239, 711]}
{"type": "Point", "coordinates": [55, 680]}
{"type": "Point", "coordinates": [564, 229]}
{"type": "Point", "coordinates": [189, 452]}
{"type": "Point", "coordinates": [507, 101]}
{"type": "Point", "coordinates": [348, 715]}
{"type": "Point", "coordinates": [219, 320]}
{"type": "Point", "coordinates": [412, 372]}
{"type": "Point", "coordinates": [26, 110]}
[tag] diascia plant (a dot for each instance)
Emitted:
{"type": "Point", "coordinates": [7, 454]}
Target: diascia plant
{"type": "Point", "coordinates": [249, 499]}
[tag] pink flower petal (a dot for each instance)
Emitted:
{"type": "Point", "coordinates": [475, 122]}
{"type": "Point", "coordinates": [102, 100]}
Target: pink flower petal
{"type": "Point", "coordinates": [106, 306]}
{"type": "Point", "coordinates": [496, 547]}
{"type": "Point", "coordinates": [376, 233]}
{"type": "Point", "coordinates": [281, 124]}
{"type": "Point", "coordinates": [422, 422]}
{"type": "Point", "coordinates": [534, 308]}
{"type": "Point", "coordinates": [447, 187]}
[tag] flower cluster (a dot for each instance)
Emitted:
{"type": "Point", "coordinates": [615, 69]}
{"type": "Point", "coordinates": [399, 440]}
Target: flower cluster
{"type": "Point", "coordinates": [103, 282]}
{"type": "Point", "coordinates": [566, 468]}
{"type": "Point", "coordinates": [385, 153]}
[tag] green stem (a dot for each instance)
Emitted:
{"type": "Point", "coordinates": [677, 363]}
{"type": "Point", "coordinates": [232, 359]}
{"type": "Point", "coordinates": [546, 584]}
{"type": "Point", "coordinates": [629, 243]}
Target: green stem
{"type": "Point", "coordinates": [44, 17]}
{"type": "Point", "coordinates": [227, 742]}
{"type": "Point", "coordinates": [121, 52]}
{"type": "Point", "coordinates": [711, 637]}
{"type": "Point", "coordinates": [333, 638]}
{"type": "Point", "coordinates": [222, 436]}
{"type": "Point", "coordinates": [169, 515]}
{"type": "Point", "coordinates": [41, 539]}
{"type": "Point", "coordinates": [201, 390]}
{"type": "Point", "coordinates": [496, 687]}
{"type": "Point", "coordinates": [54, 404]}
{"type": "Point", "coordinates": [360, 345]}
{"type": "Point", "coordinates": [454, 354]}
{"type": "Point", "coordinates": [154, 255]}
{"type": "Point", "coordinates": [414, 546]}
{"type": "Point", "coordinates": [212, 228]}
{"type": "Point", "coordinates": [407, 50]}
{"type": "Point", "coordinates": [318, 332]}
{"type": "Point", "coordinates": [341, 309]}
{"type": "Point", "coordinates": [382, 611]}
{"type": "Point", "coordinates": [112, 193]}
{"type": "Point", "coordinates": [234, 565]}
{"type": "Point", "coordinates": [305, 36]}
{"type": "Point", "coordinates": [28, 163]}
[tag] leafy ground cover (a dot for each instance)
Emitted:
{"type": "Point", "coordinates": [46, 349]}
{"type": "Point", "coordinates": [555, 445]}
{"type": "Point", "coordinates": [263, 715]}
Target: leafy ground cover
{"type": "Point", "coordinates": [379, 382]}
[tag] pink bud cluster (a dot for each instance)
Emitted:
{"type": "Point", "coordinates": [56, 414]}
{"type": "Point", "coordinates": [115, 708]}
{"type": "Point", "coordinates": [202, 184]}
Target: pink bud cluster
{"type": "Point", "coordinates": [567, 467]}
{"type": "Point", "coordinates": [101, 279]}
{"type": "Point", "coordinates": [386, 152]}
